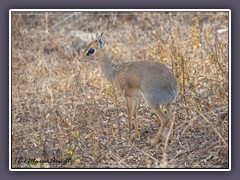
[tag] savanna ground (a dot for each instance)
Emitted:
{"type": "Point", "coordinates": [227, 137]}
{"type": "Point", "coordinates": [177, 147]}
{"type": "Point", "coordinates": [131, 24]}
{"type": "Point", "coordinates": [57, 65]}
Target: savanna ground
{"type": "Point", "coordinates": [64, 108]}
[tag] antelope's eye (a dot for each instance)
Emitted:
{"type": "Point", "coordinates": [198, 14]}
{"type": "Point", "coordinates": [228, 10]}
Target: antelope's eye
{"type": "Point", "coordinates": [90, 51]}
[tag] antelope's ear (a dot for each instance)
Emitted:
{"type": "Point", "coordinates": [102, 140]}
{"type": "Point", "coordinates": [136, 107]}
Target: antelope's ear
{"type": "Point", "coordinates": [100, 41]}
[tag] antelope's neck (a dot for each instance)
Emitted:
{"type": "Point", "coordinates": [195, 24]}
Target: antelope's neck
{"type": "Point", "coordinates": [108, 67]}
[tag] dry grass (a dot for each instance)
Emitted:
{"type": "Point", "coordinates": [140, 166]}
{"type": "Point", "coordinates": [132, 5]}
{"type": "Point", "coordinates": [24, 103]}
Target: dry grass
{"type": "Point", "coordinates": [65, 109]}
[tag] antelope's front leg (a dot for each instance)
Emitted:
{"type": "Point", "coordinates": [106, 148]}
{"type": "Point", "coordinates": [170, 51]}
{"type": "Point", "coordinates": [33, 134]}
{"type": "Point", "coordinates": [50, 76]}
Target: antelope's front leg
{"type": "Point", "coordinates": [130, 114]}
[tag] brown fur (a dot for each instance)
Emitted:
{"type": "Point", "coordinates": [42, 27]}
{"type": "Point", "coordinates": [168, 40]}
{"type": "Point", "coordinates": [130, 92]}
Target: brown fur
{"type": "Point", "coordinates": [151, 80]}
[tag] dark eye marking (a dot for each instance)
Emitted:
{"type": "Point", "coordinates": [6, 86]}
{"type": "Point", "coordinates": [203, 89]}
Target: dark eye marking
{"type": "Point", "coordinates": [90, 51]}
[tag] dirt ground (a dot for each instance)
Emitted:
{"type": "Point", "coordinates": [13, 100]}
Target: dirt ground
{"type": "Point", "coordinates": [65, 114]}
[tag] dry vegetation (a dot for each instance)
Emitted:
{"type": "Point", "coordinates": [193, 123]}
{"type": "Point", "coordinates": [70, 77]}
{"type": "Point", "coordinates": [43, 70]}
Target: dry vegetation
{"type": "Point", "coordinates": [64, 108]}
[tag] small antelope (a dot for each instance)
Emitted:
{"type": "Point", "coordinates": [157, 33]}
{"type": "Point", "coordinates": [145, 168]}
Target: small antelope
{"type": "Point", "coordinates": [153, 81]}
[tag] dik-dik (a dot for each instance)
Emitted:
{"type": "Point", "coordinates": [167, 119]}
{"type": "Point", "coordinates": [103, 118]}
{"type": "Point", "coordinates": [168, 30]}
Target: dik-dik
{"type": "Point", "coordinates": [151, 80]}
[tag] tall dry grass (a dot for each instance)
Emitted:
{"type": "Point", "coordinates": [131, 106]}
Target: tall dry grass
{"type": "Point", "coordinates": [62, 108]}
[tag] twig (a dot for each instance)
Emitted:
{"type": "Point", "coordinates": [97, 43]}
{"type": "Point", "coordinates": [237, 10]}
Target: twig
{"type": "Point", "coordinates": [193, 149]}
{"type": "Point", "coordinates": [173, 41]}
{"type": "Point", "coordinates": [216, 131]}
{"type": "Point", "coordinates": [195, 117]}
{"type": "Point", "coordinates": [117, 157]}
{"type": "Point", "coordinates": [63, 20]}
{"type": "Point", "coordinates": [148, 155]}
{"type": "Point", "coordinates": [87, 155]}
{"type": "Point", "coordinates": [46, 21]}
